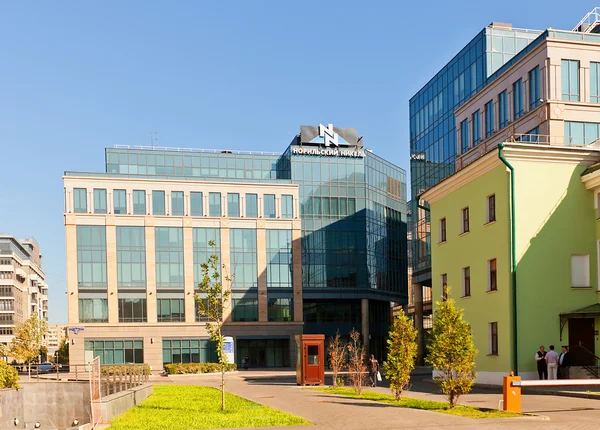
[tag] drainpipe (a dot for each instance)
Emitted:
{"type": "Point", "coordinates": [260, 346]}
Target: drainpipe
{"type": "Point", "coordinates": [513, 253]}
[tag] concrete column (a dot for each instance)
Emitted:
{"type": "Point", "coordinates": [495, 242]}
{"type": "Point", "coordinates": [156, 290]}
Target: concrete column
{"type": "Point", "coordinates": [261, 262]}
{"type": "Point", "coordinates": [226, 266]}
{"type": "Point", "coordinates": [111, 270]}
{"type": "Point", "coordinates": [418, 318]}
{"type": "Point", "coordinates": [297, 271]}
{"type": "Point", "coordinates": [150, 270]}
{"type": "Point", "coordinates": [364, 315]}
{"type": "Point", "coordinates": [188, 270]}
{"type": "Point", "coordinates": [71, 248]}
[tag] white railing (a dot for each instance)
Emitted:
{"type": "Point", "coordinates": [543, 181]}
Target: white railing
{"type": "Point", "coordinates": [212, 151]}
{"type": "Point", "coordinates": [588, 21]}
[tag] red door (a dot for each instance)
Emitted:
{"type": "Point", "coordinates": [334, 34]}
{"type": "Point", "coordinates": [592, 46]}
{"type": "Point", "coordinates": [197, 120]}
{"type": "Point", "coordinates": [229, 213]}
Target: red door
{"type": "Point", "coordinates": [312, 354]}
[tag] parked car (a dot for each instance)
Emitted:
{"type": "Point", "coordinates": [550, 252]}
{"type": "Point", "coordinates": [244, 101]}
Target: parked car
{"type": "Point", "coordinates": [45, 367]}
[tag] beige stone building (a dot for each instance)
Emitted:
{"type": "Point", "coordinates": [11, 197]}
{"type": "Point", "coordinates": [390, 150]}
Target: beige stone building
{"type": "Point", "coordinates": [55, 336]}
{"type": "Point", "coordinates": [23, 290]}
{"type": "Point", "coordinates": [134, 250]}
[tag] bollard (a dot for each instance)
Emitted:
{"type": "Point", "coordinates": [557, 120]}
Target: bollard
{"type": "Point", "coordinates": [511, 395]}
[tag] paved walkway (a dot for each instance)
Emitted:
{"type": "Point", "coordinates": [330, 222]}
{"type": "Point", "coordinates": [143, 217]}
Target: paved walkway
{"type": "Point", "coordinates": [326, 411]}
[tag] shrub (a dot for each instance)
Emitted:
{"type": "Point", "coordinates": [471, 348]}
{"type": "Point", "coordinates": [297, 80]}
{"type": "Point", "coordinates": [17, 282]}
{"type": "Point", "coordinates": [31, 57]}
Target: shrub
{"type": "Point", "coordinates": [183, 368]}
{"type": "Point", "coordinates": [9, 377]}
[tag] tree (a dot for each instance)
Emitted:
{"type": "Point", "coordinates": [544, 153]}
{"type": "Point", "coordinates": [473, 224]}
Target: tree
{"type": "Point", "coordinates": [402, 352]}
{"type": "Point", "coordinates": [43, 353]}
{"type": "Point", "coordinates": [212, 300]}
{"type": "Point", "coordinates": [337, 357]}
{"type": "Point", "coordinates": [9, 377]}
{"type": "Point", "coordinates": [356, 361]}
{"type": "Point", "coordinates": [4, 350]}
{"type": "Point", "coordinates": [63, 352]}
{"type": "Point", "coordinates": [451, 351]}
{"type": "Point", "coordinates": [28, 340]}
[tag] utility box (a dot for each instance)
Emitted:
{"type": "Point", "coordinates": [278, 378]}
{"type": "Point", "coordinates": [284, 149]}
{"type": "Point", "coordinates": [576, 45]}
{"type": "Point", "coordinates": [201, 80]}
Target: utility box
{"type": "Point", "coordinates": [310, 361]}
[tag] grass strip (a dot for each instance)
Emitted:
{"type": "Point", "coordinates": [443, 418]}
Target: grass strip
{"type": "Point", "coordinates": [426, 405]}
{"type": "Point", "coordinates": [183, 407]}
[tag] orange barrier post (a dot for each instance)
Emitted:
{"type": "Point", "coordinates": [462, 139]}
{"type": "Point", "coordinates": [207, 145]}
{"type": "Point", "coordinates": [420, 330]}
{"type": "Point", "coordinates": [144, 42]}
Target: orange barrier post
{"type": "Point", "coordinates": [511, 395]}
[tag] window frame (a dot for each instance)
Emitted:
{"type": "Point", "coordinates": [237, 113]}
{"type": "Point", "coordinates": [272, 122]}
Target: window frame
{"type": "Point", "coordinates": [466, 281]}
{"type": "Point", "coordinates": [490, 206]}
{"type": "Point", "coordinates": [100, 201]}
{"type": "Point", "coordinates": [518, 101]}
{"type": "Point", "coordinates": [492, 274]}
{"type": "Point", "coordinates": [119, 210]}
{"type": "Point", "coordinates": [567, 94]}
{"type": "Point", "coordinates": [587, 277]}
{"type": "Point", "coordinates": [489, 119]}
{"type": "Point", "coordinates": [535, 98]}
{"type": "Point", "coordinates": [476, 128]}
{"type": "Point", "coordinates": [157, 196]}
{"type": "Point", "coordinates": [493, 338]}
{"type": "Point", "coordinates": [443, 230]}
{"type": "Point", "coordinates": [465, 226]}
{"type": "Point", "coordinates": [444, 286]}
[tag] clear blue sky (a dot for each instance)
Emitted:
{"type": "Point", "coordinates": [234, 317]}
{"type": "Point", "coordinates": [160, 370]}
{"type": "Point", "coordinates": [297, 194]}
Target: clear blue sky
{"type": "Point", "coordinates": [78, 76]}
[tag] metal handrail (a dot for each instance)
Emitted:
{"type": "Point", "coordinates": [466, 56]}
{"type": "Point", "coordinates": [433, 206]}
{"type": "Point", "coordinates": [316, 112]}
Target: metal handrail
{"type": "Point", "coordinates": [586, 20]}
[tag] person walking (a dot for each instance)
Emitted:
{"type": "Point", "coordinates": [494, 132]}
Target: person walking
{"type": "Point", "coordinates": [563, 363]}
{"type": "Point", "coordinates": [373, 370]}
{"type": "Point", "coordinates": [542, 366]}
{"type": "Point", "coordinates": [552, 361]}
{"type": "Point", "coordinates": [245, 361]}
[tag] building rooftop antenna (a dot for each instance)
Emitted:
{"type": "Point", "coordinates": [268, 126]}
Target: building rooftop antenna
{"type": "Point", "coordinates": [153, 138]}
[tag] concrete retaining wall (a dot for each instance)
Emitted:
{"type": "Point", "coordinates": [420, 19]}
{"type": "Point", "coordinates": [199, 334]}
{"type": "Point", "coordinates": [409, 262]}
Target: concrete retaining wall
{"type": "Point", "coordinates": [116, 404]}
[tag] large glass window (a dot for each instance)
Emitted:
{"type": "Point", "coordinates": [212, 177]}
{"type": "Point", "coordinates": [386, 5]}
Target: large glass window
{"type": "Point", "coordinates": [595, 82]}
{"type": "Point", "coordinates": [196, 205]}
{"type": "Point", "coordinates": [244, 310]}
{"type": "Point", "coordinates": [279, 258]}
{"type": "Point", "coordinates": [489, 118]}
{"type": "Point", "coordinates": [269, 201]}
{"type": "Point", "coordinates": [158, 202]}
{"type": "Point", "coordinates": [93, 310]}
{"type": "Point", "coordinates": [99, 201]}
{"type": "Point", "coordinates": [464, 136]}
{"type": "Point", "coordinates": [180, 350]}
{"type": "Point", "coordinates": [518, 99]}
{"type": "Point", "coordinates": [132, 308]}
{"type": "Point", "coordinates": [581, 133]}
{"type": "Point", "coordinates": [91, 256]}
{"type": "Point", "coordinates": [233, 205]}
{"type": "Point", "coordinates": [475, 126]}
{"type": "Point", "coordinates": [203, 250]}
{"type": "Point", "coordinates": [116, 351]}
{"type": "Point", "coordinates": [214, 204]}
{"type": "Point", "coordinates": [139, 202]}
{"type": "Point", "coordinates": [503, 109]}
{"type": "Point", "coordinates": [80, 200]}
{"type": "Point", "coordinates": [120, 202]}
{"type": "Point", "coordinates": [243, 257]}
{"type": "Point", "coordinates": [131, 257]}
{"type": "Point", "coordinates": [264, 352]}
{"type": "Point", "coordinates": [251, 206]}
{"type": "Point", "coordinates": [169, 257]}
{"type": "Point", "coordinates": [534, 88]}
{"type": "Point", "coordinates": [570, 80]}
{"type": "Point", "coordinates": [177, 203]}
{"type": "Point", "coordinates": [281, 309]}
{"type": "Point", "coordinates": [287, 206]}
{"type": "Point", "coordinates": [171, 309]}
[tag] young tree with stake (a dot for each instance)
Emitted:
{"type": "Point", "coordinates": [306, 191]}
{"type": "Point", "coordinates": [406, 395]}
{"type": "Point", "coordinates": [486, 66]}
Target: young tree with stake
{"type": "Point", "coordinates": [402, 352]}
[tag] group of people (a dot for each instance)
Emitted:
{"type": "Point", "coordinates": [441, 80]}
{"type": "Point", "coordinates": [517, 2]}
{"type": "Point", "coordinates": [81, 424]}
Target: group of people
{"type": "Point", "coordinates": [551, 365]}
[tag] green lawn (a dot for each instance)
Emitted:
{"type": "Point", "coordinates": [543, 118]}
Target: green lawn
{"type": "Point", "coordinates": [182, 407]}
{"type": "Point", "coordinates": [427, 405]}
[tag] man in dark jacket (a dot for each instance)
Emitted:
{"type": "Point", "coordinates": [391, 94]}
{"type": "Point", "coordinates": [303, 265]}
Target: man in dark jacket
{"type": "Point", "coordinates": [563, 363]}
{"type": "Point", "coordinates": [542, 366]}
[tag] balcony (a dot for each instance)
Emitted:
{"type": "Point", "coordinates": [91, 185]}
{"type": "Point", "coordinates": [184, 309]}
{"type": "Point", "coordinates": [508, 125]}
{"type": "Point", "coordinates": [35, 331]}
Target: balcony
{"type": "Point", "coordinates": [20, 273]}
{"type": "Point", "coordinates": [7, 268]}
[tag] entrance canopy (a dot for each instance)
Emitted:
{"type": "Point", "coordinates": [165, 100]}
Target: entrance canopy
{"type": "Point", "coordinates": [587, 312]}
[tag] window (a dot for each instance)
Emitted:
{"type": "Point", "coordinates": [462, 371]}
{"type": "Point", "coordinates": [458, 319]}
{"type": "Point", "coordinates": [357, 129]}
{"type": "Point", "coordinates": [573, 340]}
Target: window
{"type": "Point", "coordinates": [243, 258]}
{"type": "Point", "coordinates": [196, 206]}
{"type": "Point", "coordinates": [203, 317]}
{"type": "Point", "coordinates": [132, 309]}
{"type": "Point", "coordinates": [93, 310]}
{"type": "Point", "coordinates": [493, 338]}
{"type": "Point", "coordinates": [581, 133]}
{"type": "Point", "coordinates": [466, 272]}
{"type": "Point", "coordinates": [269, 201]}
{"type": "Point", "coordinates": [139, 202]}
{"type": "Point", "coordinates": [475, 127]}
{"type": "Point", "coordinates": [169, 257]}
{"type": "Point", "coordinates": [233, 205]}
{"type": "Point", "coordinates": [287, 206]}
{"type": "Point", "coordinates": [91, 256]}
{"type": "Point", "coordinates": [251, 206]}
{"type": "Point", "coordinates": [534, 88]}
{"type": "Point", "coordinates": [80, 200]}
{"type": "Point", "coordinates": [131, 257]}
{"type": "Point", "coordinates": [493, 276]}
{"type": "Point", "coordinates": [444, 286]}
{"type": "Point", "coordinates": [244, 310]}
{"type": "Point", "coordinates": [464, 228]}
{"type": "Point", "coordinates": [116, 351]}
{"type": "Point", "coordinates": [570, 80]}
{"type": "Point", "coordinates": [580, 271]}
{"type": "Point", "coordinates": [177, 203]}
{"type": "Point", "coordinates": [595, 82]}
{"type": "Point", "coordinates": [170, 309]}
{"type": "Point", "coordinates": [491, 208]}
{"type": "Point", "coordinates": [180, 350]}
{"type": "Point", "coordinates": [464, 136]}
{"type": "Point", "coordinates": [202, 237]}
{"type": "Point", "coordinates": [99, 201]}
{"type": "Point", "coordinates": [281, 309]}
{"type": "Point", "coordinates": [214, 204]}
{"type": "Point", "coordinates": [279, 259]}
{"type": "Point", "coordinates": [442, 230]}
{"type": "Point", "coordinates": [503, 109]}
{"type": "Point", "coordinates": [120, 202]}
{"type": "Point", "coordinates": [158, 202]}
{"type": "Point", "coordinates": [489, 118]}
{"type": "Point", "coordinates": [518, 99]}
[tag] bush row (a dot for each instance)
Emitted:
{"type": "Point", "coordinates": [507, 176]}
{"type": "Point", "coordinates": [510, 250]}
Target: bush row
{"type": "Point", "coordinates": [181, 368]}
